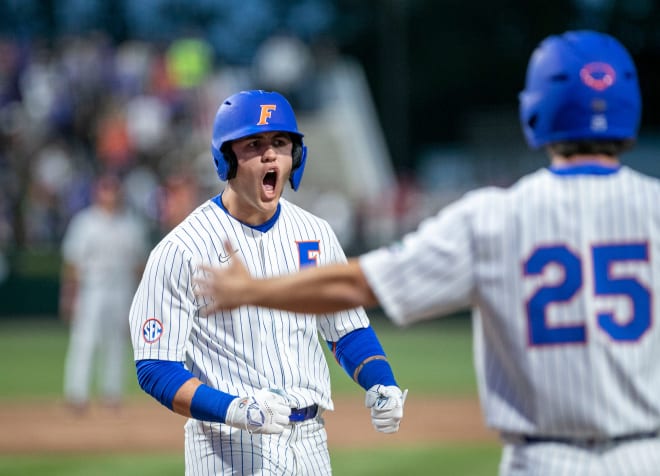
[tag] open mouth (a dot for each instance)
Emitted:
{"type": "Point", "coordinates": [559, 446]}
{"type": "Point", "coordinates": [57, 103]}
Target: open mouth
{"type": "Point", "coordinates": [270, 179]}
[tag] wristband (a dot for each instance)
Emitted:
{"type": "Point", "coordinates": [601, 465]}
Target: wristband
{"type": "Point", "coordinates": [209, 404]}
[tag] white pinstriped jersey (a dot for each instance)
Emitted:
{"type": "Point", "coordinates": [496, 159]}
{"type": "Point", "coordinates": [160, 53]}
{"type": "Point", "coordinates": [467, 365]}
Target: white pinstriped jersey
{"type": "Point", "coordinates": [563, 274]}
{"type": "Point", "coordinates": [250, 348]}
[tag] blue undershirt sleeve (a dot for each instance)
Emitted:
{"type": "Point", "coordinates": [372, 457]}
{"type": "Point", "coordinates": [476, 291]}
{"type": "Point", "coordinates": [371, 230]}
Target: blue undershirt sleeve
{"type": "Point", "coordinates": [362, 357]}
{"type": "Point", "coordinates": [162, 379]}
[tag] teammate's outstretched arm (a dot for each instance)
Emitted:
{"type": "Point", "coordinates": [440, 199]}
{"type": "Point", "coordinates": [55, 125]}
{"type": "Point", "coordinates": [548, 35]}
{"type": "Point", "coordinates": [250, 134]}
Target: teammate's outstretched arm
{"type": "Point", "coordinates": [316, 290]}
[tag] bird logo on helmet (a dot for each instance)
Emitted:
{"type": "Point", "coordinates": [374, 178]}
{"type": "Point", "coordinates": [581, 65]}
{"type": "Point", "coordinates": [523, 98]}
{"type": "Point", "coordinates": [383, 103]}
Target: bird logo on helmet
{"type": "Point", "coordinates": [251, 112]}
{"type": "Point", "coordinates": [581, 85]}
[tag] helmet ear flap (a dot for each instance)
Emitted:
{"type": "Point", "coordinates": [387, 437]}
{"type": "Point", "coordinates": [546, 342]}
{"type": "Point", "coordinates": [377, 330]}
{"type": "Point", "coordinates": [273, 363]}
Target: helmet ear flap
{"type": "Point", "coordinates": [299, 154]}
{"type": "Point", "coordinates": [296, 154]}
{"type": "Point", "coordinates": [221, 165]}
{"type": "Point", "coordinates": [230, 160]}
{"type": "Point", "coordinates": [225, 161]}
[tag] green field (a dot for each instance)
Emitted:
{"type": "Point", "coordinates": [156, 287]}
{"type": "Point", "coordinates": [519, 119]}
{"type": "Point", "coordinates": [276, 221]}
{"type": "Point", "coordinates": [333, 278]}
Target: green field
{"type": "Point", "coordinates": [432, 358]}
{"type": "Point", "coordinates": [447, 460]}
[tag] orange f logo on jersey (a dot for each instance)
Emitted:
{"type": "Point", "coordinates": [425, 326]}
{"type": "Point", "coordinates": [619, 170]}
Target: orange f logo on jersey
{"type": "Point", "coordinates": [266, 113]}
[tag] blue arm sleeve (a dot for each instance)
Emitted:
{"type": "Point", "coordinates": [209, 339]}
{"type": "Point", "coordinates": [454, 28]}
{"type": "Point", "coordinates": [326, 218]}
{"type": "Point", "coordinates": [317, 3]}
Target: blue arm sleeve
{"type": "Point", "coordinates": [363, 358]}
{"type": "Point", "coordinates": [162, 379]}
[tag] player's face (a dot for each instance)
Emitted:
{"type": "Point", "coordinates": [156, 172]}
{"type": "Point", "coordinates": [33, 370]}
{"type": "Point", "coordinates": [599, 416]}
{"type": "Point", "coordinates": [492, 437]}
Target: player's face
{"type": "Point", "coordinates": [108, 193]}
{"type": "Point", "coordinates": [264, 166]}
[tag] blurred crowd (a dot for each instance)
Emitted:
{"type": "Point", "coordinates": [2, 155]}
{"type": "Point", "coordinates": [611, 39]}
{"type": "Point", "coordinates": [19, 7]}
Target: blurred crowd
{"type": "Point", "coordinates": [142, 110]}
{"type": "Point", "coordinates": [71, 110]}
{"type": "Point", "coordinates": [83, 106]}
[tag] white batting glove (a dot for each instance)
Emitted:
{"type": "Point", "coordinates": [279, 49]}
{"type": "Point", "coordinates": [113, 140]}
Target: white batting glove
{"type": "Point", "coordinates": [386, 403]}
{"type": "Point", "coordinates": [264, 412]}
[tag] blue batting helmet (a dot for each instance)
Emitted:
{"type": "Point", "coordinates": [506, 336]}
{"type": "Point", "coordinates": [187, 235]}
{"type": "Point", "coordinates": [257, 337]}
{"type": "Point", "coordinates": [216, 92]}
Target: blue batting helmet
{"type": "Point", "coordinates": [581, 85]}
{"type": "Point", "coordinates": [251, 112]}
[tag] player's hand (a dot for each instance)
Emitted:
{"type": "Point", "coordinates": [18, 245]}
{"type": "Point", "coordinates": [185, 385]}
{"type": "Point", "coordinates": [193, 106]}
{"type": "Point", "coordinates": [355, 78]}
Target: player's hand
{"type": "Point", "coordinates": [223, 288]}
{"type": "Point", "coordinates": [386, 403]}
{"type": "Point", "coordinates": [267, 411]}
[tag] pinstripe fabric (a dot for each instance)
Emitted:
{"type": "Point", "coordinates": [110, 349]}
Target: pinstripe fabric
{"type": "Point", "coordinates": [301, 450]}
{"type": "Point", "coordinates": [247, 349]}
{"type": "Point", "coordinates": [562, 272]}
{"type": "Point", "coordinates": [634, 458]}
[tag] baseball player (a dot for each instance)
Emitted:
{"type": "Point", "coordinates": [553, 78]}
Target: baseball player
{"type": "Point", "coordinates": [254, 382]}
{"type": "Point", "coordinates": [561, 271]}
{"type": "Point", "coordinates": [103, 250]}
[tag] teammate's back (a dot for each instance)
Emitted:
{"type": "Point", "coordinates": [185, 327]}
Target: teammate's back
{"type": "Point", "coordinates": [564, 270]}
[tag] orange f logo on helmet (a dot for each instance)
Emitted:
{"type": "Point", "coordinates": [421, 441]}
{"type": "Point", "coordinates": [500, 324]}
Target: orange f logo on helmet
{"type": "Point", "coordinates": [266, 112]}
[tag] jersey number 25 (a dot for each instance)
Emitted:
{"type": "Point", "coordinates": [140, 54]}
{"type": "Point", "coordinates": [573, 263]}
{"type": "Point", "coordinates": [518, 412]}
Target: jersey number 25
{"type": "Point", "coordinates": [604, 257]}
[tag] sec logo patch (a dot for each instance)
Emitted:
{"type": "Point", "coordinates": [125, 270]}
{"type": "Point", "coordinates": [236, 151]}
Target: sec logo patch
{"type": "Point", "coordinates": [152, 329]}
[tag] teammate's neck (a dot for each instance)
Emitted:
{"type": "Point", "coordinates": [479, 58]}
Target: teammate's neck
{"type": "Point", "coordinates": [586, 159]}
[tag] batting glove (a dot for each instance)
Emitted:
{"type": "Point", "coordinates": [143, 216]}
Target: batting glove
{"type": "Point", "coordinates": [264, 412]}
{"type": "Point", "coordinates": [386, 403]}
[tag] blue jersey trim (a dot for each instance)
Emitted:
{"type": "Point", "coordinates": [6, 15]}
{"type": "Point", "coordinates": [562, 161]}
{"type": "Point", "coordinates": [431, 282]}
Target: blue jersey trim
{"type": "Point", "coordinates": [264, 227]}
{"type": "Point", "coordinates": [585, 169]}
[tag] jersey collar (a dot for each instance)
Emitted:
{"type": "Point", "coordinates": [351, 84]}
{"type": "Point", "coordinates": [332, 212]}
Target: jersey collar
{"type": "Point", "coordinates": [585, 169]}
{"type": "Point", "coordinates": [264, 227]}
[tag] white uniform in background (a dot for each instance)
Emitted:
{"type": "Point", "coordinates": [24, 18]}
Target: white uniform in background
{"type": "Point", "coordinates": [107, 251]}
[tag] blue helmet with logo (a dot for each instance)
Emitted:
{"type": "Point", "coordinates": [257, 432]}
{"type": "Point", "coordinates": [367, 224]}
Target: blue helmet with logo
{"type": "Point", "coordinates": [581, 85]}
{"type": "Point", "coordinates": [252, 112]}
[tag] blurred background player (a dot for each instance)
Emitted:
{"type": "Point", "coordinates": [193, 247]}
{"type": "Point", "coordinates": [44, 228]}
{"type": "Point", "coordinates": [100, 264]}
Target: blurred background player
{"type": "Point", "coordinates": [104, 250]}
{"type": "Point", "coordinates": [254, 382]}
{"type": "Point", "coordinates": [561, 270]}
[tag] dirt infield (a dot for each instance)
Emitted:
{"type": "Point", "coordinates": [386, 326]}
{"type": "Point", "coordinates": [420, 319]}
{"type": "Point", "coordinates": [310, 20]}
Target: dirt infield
{"type": "Point", "coordinates": [144, 425]}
